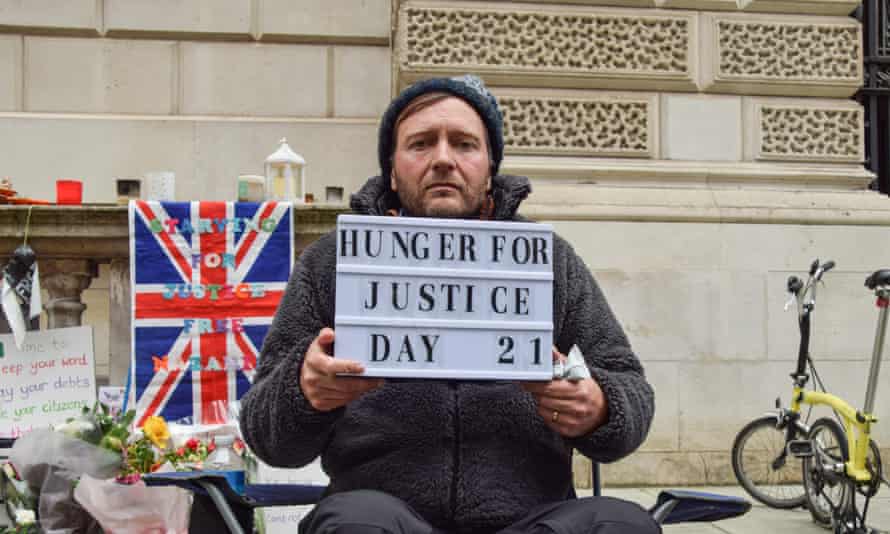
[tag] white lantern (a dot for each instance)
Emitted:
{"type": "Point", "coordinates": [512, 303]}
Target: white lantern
{"type": "Point", "coordinates": [286, 175]}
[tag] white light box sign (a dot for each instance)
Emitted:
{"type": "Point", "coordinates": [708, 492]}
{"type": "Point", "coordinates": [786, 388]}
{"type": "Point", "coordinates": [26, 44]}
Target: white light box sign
{"type": "Point", "coordinates": [445, 298]}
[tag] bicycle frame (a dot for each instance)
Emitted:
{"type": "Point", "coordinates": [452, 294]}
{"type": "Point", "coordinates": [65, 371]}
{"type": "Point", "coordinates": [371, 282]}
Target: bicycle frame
{"type": "Point", "coordinates": [857, 424]}
{"type": "Point", "coordinates": [857, 427]}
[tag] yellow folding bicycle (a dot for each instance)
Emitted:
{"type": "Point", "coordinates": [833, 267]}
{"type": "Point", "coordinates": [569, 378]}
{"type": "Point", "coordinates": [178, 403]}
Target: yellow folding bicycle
{"type": "Point", "coordinates": [836, 456]}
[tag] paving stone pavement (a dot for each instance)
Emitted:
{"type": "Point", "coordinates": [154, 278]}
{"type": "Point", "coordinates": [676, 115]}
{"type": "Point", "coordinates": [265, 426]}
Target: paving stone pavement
{"type": "Point", "coordinates": [760, 520]}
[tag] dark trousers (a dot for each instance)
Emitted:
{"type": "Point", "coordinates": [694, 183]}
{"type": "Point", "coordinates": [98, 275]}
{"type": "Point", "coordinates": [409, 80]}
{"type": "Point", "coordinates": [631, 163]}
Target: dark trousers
{"type": "Point", "coordinates": [374, 512]}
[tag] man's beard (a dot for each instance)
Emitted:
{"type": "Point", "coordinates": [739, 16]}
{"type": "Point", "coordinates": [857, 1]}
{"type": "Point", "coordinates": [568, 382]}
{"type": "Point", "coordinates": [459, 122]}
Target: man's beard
{"type": "Point", "coordinates": [445, 212]}
{"type": "Point", "coordinates": [414, 206]}
{"type": "Point", "coordinates": [413, 203]}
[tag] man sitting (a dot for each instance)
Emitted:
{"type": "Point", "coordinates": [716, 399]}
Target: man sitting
{"type": "Point", "coordinates": [415, 456]}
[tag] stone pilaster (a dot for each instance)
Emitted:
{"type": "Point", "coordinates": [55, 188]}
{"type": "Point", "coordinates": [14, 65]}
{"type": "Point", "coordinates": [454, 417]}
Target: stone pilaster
{"type": "Point", "coordinates": [120, 305]}
{"type": "Point", "coordinates": [65, 280]}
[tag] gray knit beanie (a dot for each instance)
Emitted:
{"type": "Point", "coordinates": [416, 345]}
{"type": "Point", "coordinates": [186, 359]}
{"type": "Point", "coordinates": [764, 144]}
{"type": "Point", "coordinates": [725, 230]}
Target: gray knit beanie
{"type": "Point", "coordinates": [469, 88]}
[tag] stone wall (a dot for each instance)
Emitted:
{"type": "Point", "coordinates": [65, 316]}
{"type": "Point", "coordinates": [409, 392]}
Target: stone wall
{"type": "Point", "coordinates": [99, 90]}
{"type": "Point", "coordinates": [105, 89]}
{"type": "Point", "coordinates": [696, 153]}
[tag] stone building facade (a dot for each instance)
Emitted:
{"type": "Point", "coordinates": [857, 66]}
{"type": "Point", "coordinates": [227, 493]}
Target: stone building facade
{"type": "Point", "coordinates": [695, 152]}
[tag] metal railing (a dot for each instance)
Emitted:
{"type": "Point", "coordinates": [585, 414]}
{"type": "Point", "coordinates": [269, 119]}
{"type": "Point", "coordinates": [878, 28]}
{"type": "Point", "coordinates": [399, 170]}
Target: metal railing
{"type": "Point", "coordinates": [875, 93]}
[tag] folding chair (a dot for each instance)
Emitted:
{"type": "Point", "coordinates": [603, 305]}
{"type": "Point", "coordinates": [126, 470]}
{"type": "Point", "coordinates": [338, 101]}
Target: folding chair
{"type": "Point", "coordinates": [217, 507]}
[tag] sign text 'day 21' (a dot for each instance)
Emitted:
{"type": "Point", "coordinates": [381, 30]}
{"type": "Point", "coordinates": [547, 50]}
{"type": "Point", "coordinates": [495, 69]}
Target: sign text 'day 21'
{"type": "Point", "coordinates": [443, 298]}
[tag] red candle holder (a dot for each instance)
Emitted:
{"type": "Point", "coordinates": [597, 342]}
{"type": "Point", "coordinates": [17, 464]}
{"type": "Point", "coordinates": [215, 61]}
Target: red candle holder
{"type": "Point", "coordinates": [69, 192]}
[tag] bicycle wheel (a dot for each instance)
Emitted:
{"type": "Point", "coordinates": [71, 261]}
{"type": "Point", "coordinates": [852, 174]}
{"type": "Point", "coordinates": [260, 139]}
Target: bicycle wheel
{"type": "Point", "coordinates": [826, 491]}
{"type": "Point", "coordinates": [763, 467]}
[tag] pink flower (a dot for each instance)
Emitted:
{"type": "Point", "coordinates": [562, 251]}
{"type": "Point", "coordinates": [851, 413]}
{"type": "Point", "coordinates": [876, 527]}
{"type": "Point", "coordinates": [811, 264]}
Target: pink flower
{"type": "Point", "coordinates": [132, 478]}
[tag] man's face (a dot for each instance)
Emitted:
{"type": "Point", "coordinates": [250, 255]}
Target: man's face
{"type": "Point", "coordinates": [441, 163]}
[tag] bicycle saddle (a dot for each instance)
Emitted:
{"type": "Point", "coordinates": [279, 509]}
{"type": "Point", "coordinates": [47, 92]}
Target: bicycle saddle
{"type": "Point", "coordinates": [878, 278]}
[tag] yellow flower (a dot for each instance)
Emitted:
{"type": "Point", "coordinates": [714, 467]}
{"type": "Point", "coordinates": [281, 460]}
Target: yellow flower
{"type": "Point", "coordinates": [155, 429]}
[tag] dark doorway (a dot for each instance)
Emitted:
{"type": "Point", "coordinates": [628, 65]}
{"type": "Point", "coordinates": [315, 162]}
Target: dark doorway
{"type": "Point", "coordinates": [875, 93]}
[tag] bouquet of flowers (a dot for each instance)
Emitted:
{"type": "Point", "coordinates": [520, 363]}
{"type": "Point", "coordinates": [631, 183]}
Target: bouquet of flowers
{"type": "Point", "coordinates": [191, 455]}
{"type": "Point", "coordinates": [50, 462]}
{"type": "Point", "coordinates": [25, 523]}
{"type": "Point", "coordinates": [74, 472]}
{"type": "Point", "coordinates": [143, 451]}
{"type": "Point", "coordinates": [140, 450]}
{"type": "Point", "coordinates": [20, 500]}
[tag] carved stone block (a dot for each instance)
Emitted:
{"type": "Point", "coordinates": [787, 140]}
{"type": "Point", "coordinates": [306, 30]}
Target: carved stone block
{"type": "Point", "coordinates": [775, 55]}
{"type": "Point", "coordinates": [578, 123]}
{"type": "Point", "coordinates": [792, 130]}
{"type": "Point", "coordinates": [544, 45]}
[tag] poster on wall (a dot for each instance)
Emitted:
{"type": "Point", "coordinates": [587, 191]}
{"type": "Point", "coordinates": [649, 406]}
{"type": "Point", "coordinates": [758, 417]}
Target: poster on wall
{"type": "Point", "coordinates": [50, 379]}
{"type": "Point", "coordinates": [207, 278]}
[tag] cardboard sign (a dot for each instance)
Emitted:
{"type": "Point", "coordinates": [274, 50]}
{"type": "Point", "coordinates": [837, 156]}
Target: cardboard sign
{"type": "Point", "coordinates": [443, 298]}
{"type": "Point", "coordinates": [50, 379]}
{"type": "Point", "coordinates": [286, 519]}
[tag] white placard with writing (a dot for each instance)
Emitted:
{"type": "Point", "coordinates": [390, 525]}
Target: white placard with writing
{"type": "Point", "coordinates": [51, 379]}
{"type": "Point", "coordinates": [444, 298]}
{"type": "Point", "coordinates": [112, 397]}
{"type": "Point", "coordinates": [284, 519]}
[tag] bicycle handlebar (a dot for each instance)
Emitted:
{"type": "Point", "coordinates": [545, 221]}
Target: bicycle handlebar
{"type": "Point", "coordinates": [805, 306]}
{"type": "Point", "coordinates": [794, 284]}
{"type": "Point", "coordinates": [797, 287]}
{"type": "Point", "coordinates": [824, 268]}
{"type": "Point", "coordinates": [814, 266]}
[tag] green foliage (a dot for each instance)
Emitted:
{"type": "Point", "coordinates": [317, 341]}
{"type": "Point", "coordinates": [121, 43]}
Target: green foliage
{"type": "Point", "coordinates": [97, 426]}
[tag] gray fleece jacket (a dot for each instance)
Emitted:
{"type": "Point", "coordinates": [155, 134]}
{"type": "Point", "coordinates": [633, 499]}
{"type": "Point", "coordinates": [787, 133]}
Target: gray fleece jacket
{"type": "Point", "coordinates": [467, 456]}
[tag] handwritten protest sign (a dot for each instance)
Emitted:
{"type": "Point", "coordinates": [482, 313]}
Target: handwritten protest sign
{"type": "Point", "coordinates": [48, 380]}
{"type": "Point", "coordinates": [440, 298]}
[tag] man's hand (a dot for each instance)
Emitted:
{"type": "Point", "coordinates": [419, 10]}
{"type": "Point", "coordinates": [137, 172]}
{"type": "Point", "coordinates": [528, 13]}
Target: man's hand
{"type": "Point", "coordinates": [319, 381]}
{"type": "Point", "coordinates": [572, 408]}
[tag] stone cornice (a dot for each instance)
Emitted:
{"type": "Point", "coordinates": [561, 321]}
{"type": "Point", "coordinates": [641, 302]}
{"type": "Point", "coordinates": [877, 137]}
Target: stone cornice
{"type": "Point", "coordinates": [666, 173]}
{"type": "Point", "coordinates": [550, 202]}
{"type": "Point", "coordinates": [101, 232]}
{"type": "Point", "coordinates": [811, 7]}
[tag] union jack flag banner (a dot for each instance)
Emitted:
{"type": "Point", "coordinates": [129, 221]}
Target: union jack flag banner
{"type": "Point", "coordinates": [206, 278]}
